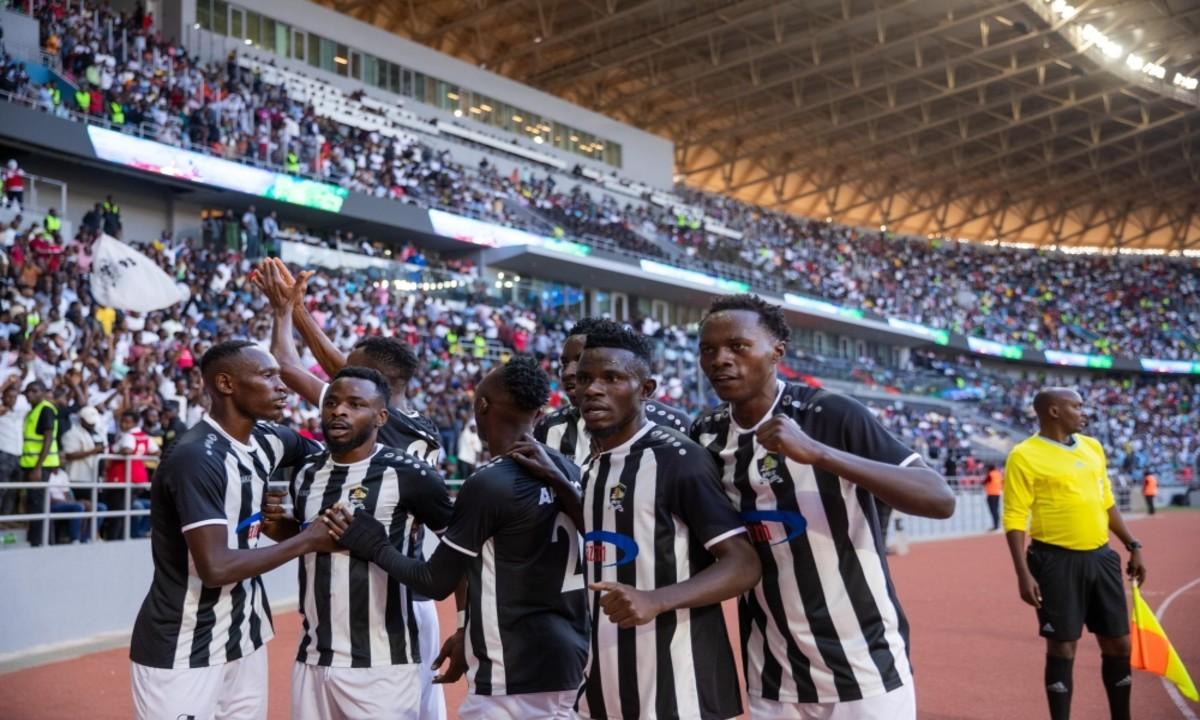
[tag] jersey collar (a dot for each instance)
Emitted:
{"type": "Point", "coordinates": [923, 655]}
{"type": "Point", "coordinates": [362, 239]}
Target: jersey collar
{"type": "Point", "coordinates": [624, 447]}
{"type": "Point", "coordinates": [770, 412]}
{"type": "Point", "coordinates": [234, 441]}
{"type": "Point", "coordinates": [364, 461]}
{"type": "Point", "coordinates": [1073, 446]}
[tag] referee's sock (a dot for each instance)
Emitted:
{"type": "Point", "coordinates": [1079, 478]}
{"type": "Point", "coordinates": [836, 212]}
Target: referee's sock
{"type": "Point", "coordinates": [1118, 680]}
{"type": "Point", "coordinates": [1058, 686]}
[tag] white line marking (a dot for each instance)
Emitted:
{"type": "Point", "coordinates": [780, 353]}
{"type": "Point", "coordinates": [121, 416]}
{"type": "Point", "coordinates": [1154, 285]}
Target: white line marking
{"type": "Point", "coordinates": [1169, 686]}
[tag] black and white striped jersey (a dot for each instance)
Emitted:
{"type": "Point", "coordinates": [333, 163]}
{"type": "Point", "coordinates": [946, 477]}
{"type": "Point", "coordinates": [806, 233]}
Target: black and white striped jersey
{"type": "Point", "coordinates": [824, 624]}
{"type": "Point", "coordinates": [209, 479]}
{"type": "Point", "coordinates": [526, 608]}
{"type": "Point", "coordinates": [653, 507]}
{"type": "Point", "coordinates": [564, 430]}
{"type": "Point", "coordinates": [354, 615]}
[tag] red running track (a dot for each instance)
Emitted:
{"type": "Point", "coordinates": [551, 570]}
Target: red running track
{"type": "Point", "coordinates": [974, 643]}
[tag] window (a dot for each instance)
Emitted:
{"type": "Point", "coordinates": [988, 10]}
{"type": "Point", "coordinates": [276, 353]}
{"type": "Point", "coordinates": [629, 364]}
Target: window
{"type": "Point", "coordinates": [254, 28]}
{"type": "Point", "coordinates": [341, 60]}
{"type": "Point", "coordinates": [204, 14]}
{"type": "Point", "coordinates": [237, 18]}
{"type": "Point", "coordinates": [314, 50]}
{"type": "Point", "coordinates": [299, 42]}
{"type": "Point", "coordinates": [356, 65]}
{"type": "Point", "coordinates": [220, 17]}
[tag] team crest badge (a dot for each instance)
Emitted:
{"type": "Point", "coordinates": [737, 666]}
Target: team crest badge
{"type": "Point", "coordinates": [768, 469]}
{"type": "Point", "coordinates": [358, 496]}
{"type": "Point", "coordinates": [616, 497]}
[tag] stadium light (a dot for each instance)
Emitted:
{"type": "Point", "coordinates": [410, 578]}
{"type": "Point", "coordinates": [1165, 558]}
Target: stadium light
{"type": "Point", "coordinates": [1065, 10]}
{"type": "Point", "coordinates": [538, 139]}
{"type": "Point", "coordinates": [1185, 82]}
{"type": "Point", "coordinates": [457, 112]}
{"type": "Point", "coordinates": [248, 41]}
{"type": "Point", "coordinates": [1108, 46]}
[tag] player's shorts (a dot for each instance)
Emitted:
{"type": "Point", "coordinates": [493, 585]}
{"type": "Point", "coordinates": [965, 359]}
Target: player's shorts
{"type": "Point", "coordinates": [234, 690]}
{"type": "Point", "coordinates": [433, 699]}
{"type": "Point", "coordinates": [528, 706]}
{"type": "Point", "coordinates": [341, 693]}
{"type": "Point", "coordinates": [899, 704]}
{"type": "Point", "coordinates": [1079, 587]}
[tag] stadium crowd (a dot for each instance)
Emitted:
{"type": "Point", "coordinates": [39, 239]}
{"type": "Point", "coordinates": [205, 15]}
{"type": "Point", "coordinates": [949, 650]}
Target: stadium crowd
{"type": "Point", "coordinates": [1121, 305]}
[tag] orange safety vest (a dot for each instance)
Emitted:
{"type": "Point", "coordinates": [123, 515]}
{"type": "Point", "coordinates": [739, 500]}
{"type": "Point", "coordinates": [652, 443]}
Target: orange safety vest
{"type": "Point", "coordinates": [1150, 486]}
{"type": "Point", "coordinates": [993, 483]}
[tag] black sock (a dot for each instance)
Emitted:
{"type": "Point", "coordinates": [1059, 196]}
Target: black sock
{"type": "Point", "coordinates": [1118, 680]}
{"type": "Point", "coordinates": [1058, 686]}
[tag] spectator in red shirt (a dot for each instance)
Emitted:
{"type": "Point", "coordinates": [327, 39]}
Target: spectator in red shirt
{"type": "Point", "coordinates": [134, 441]}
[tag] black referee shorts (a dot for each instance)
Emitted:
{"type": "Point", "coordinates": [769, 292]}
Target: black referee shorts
{"type": "Point", "coordinates": [1079, 587]}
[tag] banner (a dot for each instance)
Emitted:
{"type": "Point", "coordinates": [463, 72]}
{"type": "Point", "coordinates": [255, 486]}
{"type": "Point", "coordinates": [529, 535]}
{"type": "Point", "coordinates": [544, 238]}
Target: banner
{"type": "Point", "coordinates": [125, 279]}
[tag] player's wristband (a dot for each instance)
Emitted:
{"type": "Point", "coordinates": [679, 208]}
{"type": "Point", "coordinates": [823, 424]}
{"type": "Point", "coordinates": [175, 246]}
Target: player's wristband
{"type": "Point", "coordinates": [1133, 545]}
{"type": "Point", "coordinates": [462, 619]}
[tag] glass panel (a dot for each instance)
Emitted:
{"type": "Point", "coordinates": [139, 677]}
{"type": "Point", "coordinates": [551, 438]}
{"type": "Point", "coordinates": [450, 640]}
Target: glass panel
{"type": "Point", "coordinates": [371, 68]}
{"type": "Point", "coordinates": [220, 17]}
{"type": "Point", "coordinates": [266, 36]}
{"type": "Point", "coordinates": [236, 21]}
{"type": "Point", "coordinates": [341, 60]}
{"type": "Point", "coordinates": [253, 27]}
{"type": "Point", "coordinates": [356, 65]}
{"type": "Point", "coordinates": [314, 50]}
{"type": "Point", "coordinates": [283, 40]}
{"type": "Point", "coordinates": [327, 54]}
{"type": "Point", "coordinates": [406, 87]}
{"type": "Point", "coordinates": [204, 14]}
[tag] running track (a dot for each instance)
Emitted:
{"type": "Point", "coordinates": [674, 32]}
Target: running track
{"type": "Point", "coordinates": [975, 647]}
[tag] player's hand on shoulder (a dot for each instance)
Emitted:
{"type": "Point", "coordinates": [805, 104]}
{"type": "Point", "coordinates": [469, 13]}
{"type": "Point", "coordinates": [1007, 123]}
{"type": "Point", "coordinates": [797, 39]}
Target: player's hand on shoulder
{"type": "Point", "coordinates": [453, 650]}
{"type": "Point", "coordinates": [625, 605]}
{"type": "Point", "coordinates": [781, 434]}
{"type": "Point", "coordinates": [532, 456]}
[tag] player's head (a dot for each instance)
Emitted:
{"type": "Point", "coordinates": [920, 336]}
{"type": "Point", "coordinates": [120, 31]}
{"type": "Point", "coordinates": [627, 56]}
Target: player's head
{"type": "Point", "coordinates": [742, 340]}
{"type": "Point", "coordinates": [509, 399]}
{"type": "Point", "coordinates": [1061, 409]}
{"type": "Point", "coordinates": [387, 355]}
{"type": "Point", "coordinates": [353, 409]}
{"type": "Point", "coordinates": [613, 380]}
{"type": "Point", "coordinates": [240, 376]}
{"type": "Point", "coordinates": [571, 350]}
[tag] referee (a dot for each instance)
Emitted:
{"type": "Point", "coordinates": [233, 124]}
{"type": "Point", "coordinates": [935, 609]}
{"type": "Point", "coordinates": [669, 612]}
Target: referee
{"type": "Point", "coordinates": [1056, 485]}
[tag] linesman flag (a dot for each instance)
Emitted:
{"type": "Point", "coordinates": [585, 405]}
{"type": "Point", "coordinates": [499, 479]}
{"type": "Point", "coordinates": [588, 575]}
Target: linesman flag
{"type": "Point", "coordinates": [1152, 650]}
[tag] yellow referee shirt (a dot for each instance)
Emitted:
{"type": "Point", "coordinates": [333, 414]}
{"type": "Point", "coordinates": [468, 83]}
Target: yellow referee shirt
{"type": "Point", "coordinates": [1059, 493]}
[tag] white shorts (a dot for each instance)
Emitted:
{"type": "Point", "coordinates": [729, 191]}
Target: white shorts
{"type": "Point", "coordinates": [341, 693]}
{"type": "Point", "coordinates": [899, 704]}
{"type": "Point", "coordinates": [530, 706]}
{"type": "Point", "coordinates": [231, 691]}
{"type": "Point", "coordinates": [433, 699]}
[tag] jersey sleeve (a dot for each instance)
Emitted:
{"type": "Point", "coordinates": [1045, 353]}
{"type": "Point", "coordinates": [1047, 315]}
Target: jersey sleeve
{"type": "Point", "coordinates": [478, 513]}
{"type": "Point", "coordinates": [45, 421]}
{"type": "Point", "coordinates": [196, 482]}
{"type": "Point", "coordinates": [1108, 500]}
{"type": "Point", "coordinates": [426, 496]}
{"type": "Point", "coordinates": [863, 435]}
{"type": "Point", "coordinates": [295, 447]}
{"type": "Point", "coordinates": [542, 430]}
{"type": "Point", "coordinates": [696, 497]}
{"type": "Point", "coordinates": [1018, 492]}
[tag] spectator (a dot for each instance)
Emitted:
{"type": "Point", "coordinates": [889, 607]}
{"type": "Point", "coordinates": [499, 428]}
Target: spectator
{"type": "Point", "coordinates": [62, 500]}
{"type": "Point", "coordinates": [250, 231]}
{"type": "Point", "coordinates": [134, 441]}
{"type": "Point", "coordinates": [39, 451]}
{"type": "Point", "coordinates": [13, 408]}
{"type": "Point", "coordinates": [1150, 491]}
{"type": "Point", "coordinates": [470, 448]}
{"type": "Point", "coordinates": [14, 185]}
{"type": "Point", "coordinates": [270, 234]}
{"type": "Point", "coordinates": [112, 217]}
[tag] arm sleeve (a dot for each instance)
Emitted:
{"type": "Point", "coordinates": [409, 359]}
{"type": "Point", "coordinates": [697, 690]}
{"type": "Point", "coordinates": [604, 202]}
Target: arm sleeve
{"type": "Point", "coordinates": [436, 579]}
{"type": "Point", "coordinates": [696, 497]}
{"type": "Point", "coordinates": [1018, 493]}
{"type": "Point", "coordinates": [197, 485]}
{"type": "Point", "coordinates": [478, 513]}
{"type": "Point", "coordinates": [427, 497]}
{"type": "Point", "coordinates": [865, 436]}
{"type": "Point", "coordinates": [543, 427]}
{"type": "Point", "coordinates": [295, 447]}
{"type": "Point", "coordinates": [1108, 499]}
{"type": "Point", "coordinates": [45, 422]}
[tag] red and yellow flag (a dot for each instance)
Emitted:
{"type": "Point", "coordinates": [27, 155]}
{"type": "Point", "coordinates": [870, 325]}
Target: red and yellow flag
{"type": "Point", "coordinates": [1152, 650]}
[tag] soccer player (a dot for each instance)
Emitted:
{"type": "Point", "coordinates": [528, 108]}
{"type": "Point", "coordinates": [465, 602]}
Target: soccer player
{"type": "Point", "coordinates": [564, 429]}
{"type": "Point", "coordinates": [197, 643]}
{"type": "Point", "coordinates": [359, 654]}
{"type": "Point", "coordinates": [405, 430]}
{"type": "Point", "coordinates": [1056, 490]}
{"type": "Point", "coordinates": [526, 617]}
{"type": "Point", "coordinates": [663, 548]}
{"type": "Point", "coordinates": [823, 634]}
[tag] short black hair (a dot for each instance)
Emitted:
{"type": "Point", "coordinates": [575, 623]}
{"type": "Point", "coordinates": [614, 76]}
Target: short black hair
{"type": "Point", "coordinates": [131, 414]}
{"type": "Point", "coordinates": [220, 352]}
{"type": "Point", "coordinates": [770, 316]}
{"type": "Point", "coordinates": [382, 389]}
{"type": "Point", "coordinates": [609, 334]}
{"type": "Point", "coordinates": [585, 326]}
{"type": "Point", "coordinates": [391, 352]}
{"type": "Point", "coordinates": [526, 381]}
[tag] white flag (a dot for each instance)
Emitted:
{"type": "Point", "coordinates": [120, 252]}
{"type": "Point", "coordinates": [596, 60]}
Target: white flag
{"type": "Point", "coordinates": [125, 279]}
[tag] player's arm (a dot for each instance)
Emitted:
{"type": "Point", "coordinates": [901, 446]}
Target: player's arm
{"type": "Point", "coordinates": [328, 356]}
{"type": "Point", "coordinates": [218, 564]}
{"type": "Point", "coordinates": [283, 300]}
{"type": "Point", "coordinates": [365, 537]}
{"type": "Point", "coordinates": [873, 460]}
{"type": "Point", "coordinates": [1018, 502]}
{"type": "Point", "coordinates": [531, 455]}
{"type": "Point", "coordinates": [1116, 524]}
{"type": "Point", "coordinates": [696, 497]}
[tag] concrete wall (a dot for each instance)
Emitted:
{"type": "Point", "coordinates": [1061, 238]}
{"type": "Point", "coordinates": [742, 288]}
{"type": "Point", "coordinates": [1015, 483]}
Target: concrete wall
{"type": "Point", "coordinates": [647, 158]}
{"type": "Point", "coordinates": [20, 35]}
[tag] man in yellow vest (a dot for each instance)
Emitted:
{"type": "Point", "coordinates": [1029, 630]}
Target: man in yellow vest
{"type": "Point", "coordinates": [1057, 492]}
{"type": "Point", "coordinates": [83, 99]}
{"type": "Point", "coordinates": [53, 222]}
{"type": "Point", "coordinates": [39, 451]}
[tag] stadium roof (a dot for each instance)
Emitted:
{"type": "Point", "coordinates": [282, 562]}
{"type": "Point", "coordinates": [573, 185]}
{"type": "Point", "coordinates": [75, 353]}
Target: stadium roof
{"type": "Point", "coordinates": [1072, 123]}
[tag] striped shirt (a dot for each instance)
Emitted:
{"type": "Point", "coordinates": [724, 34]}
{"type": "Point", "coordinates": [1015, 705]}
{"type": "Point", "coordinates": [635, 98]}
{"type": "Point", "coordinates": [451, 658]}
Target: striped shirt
{"type": "Point", "coordinates": [823, 625]}
{"type": "Point", "coordinates": [564, 429]}
{"type": "Point", "coordinates": [209, 479]}
{"type": "Point", "coordinates": [653, 507]}
{"type": "Point", "coordinates": [354, 615]}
